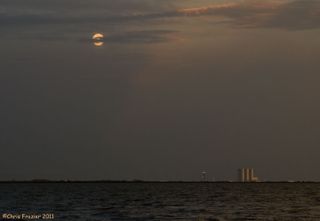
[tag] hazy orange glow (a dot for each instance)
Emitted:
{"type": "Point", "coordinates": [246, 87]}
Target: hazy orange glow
{"type": "Point", "coordinates": [207, 9]}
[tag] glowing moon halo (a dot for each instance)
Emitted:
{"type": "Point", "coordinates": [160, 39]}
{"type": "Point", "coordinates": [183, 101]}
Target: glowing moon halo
{"type": "Point", "coordinates": [97, 39]}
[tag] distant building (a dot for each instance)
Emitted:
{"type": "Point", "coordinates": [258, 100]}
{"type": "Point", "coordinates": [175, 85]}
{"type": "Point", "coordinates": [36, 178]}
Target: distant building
{"type": "Point", "coordinates": [204, 176]}
{"type": "Point", "coordinates": [247, 175]}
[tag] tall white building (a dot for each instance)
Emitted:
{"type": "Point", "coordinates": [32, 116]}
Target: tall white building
{"type": "Point", "coordinates": [247, 175]}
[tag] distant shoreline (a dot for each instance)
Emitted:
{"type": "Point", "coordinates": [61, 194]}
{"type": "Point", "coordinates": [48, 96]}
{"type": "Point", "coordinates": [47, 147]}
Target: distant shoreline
{"type": "Point", "coordinates": [140, 181]}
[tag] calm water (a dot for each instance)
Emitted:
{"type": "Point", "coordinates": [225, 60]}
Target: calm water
{"type": "Point", "coordinates": [163, 201]}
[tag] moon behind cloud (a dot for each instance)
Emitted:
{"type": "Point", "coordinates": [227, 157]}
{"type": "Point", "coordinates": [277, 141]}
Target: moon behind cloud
{"type": "Point", "coordinates": [98, 39]}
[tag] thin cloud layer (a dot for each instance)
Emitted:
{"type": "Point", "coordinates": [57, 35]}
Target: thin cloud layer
{"type": "Point", "coordinates": [57, 16]}
{"type": "Point", "coordinates": [150, 36]}
{"type": "Point", "coordinates": [299, 14]}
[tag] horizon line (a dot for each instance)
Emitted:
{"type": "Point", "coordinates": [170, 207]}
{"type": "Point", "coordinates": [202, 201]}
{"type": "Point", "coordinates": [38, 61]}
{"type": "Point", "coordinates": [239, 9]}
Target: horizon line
{"type": "Point", "coordinates": [147, 181]}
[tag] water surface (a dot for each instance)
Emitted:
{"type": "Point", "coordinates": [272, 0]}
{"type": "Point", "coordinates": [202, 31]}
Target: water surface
{"type": "Point", "coordinates": [164, 201]}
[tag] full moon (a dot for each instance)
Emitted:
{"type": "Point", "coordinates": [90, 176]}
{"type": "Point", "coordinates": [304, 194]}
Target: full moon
{"type": "Point", "coordinates": [97, 39]}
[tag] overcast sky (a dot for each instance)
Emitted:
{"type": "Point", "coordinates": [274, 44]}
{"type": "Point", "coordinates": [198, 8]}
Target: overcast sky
{"type": "Point", "coordinates": [179, 87]}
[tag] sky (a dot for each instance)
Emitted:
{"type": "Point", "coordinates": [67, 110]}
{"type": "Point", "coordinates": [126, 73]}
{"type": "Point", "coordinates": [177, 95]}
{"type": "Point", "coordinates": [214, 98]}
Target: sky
{"type": "Point", "coordinates": [177, 88]}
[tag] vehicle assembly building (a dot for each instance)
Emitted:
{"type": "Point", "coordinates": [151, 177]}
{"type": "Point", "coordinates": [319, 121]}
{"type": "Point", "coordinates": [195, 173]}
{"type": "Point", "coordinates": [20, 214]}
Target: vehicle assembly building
{"type": "Point", "coordinates": [247, 175]}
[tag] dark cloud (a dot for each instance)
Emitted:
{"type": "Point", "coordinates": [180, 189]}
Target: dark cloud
{"type": "Point", "coordinates": [137, 37]}
{"type": "Point", "coordinates": [71, 6]}
{"type": "Point", "coordinates": [298, 14]}
{"type": "Point", "coordinates": [150, 36]}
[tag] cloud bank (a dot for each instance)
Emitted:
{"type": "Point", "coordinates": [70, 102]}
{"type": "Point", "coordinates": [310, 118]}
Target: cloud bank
{"type": "Point", "coordinates": [50, 19]}
{"type": "Point", "coordinates": [298, 14]}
